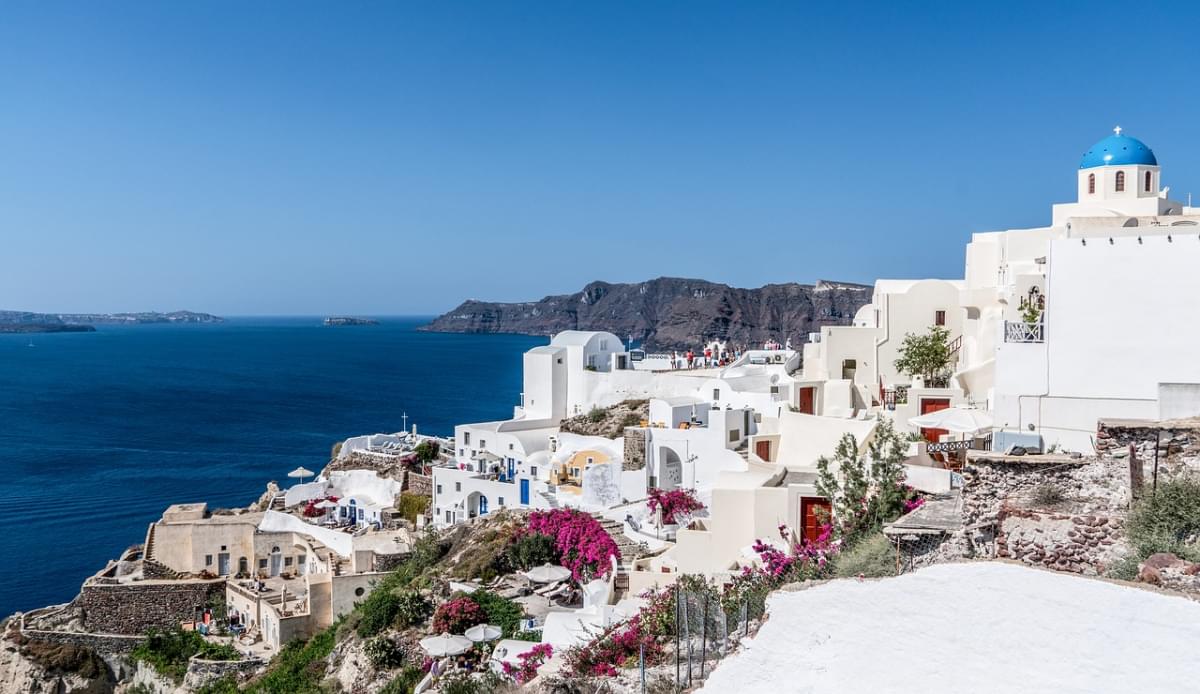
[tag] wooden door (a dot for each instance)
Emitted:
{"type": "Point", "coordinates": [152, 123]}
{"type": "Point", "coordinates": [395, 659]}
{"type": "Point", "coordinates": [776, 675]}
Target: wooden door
{"type": "Point", "coordinates": [814, 512]}
{"type": "Point", "coordinates": [807, 400]}
{"type": "Point", "coordinates": [933, 405]}
{"type": "Point", "coordinates": [762, 448]}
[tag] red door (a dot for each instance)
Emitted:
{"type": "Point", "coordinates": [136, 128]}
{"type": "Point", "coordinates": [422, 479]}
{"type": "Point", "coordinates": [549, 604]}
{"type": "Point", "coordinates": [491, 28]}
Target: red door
{"type": "Point", "coordinates": [762, 449]}
{"type": "Point", "coordinates": [806, 400]}
{"type": "Point", "coordinates": [933, 405]}
{"type": "Point", "coordinates": [814, 512]}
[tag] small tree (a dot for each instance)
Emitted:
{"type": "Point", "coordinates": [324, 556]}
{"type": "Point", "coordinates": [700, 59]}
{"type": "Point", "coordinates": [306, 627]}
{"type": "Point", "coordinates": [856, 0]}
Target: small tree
{"type": "Point", "coordinates": [870, 492]}
{"type": "Point", "coordinates": [427, 451]}
{"type": "Point", "coordinates": [926, 355]}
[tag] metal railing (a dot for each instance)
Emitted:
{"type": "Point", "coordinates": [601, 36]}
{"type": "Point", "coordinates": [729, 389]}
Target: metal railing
{"type": "Point", "coordinates": [1020, 331]}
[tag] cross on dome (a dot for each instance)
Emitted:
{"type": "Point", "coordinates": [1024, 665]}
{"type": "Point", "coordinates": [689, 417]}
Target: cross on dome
{"type": "Point", "coordinates": [1117, 130]}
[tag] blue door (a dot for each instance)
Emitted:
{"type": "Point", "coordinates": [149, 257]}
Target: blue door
{"type": "Point", "coordinates": [525, 492]}
{"type": "Point", "coordinates": [512, 468]}
{"type": "Point", "coordinates": [482, 505]}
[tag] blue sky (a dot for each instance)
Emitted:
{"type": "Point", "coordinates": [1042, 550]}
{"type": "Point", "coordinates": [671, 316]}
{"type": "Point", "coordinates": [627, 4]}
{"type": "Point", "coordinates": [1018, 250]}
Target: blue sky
{"type": "Point", "coordinates": [390, 158]}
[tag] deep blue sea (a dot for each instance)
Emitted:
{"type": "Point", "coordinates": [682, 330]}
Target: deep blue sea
{"type": "Point", "coordinates": [99, 432]}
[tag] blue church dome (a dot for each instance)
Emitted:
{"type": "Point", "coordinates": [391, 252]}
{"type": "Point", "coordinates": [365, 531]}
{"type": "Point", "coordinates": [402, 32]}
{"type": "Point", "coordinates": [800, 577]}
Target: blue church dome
{"type": "Point", "coordinates": [1118, 150]}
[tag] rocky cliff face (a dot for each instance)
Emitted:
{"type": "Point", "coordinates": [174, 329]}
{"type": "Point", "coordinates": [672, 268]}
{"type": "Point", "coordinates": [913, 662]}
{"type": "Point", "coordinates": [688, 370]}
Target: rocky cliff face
{"type": "Point", "coordinates": [670, 313]}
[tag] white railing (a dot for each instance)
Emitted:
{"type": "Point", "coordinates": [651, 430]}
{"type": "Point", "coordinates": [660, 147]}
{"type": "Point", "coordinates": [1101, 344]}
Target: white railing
{"type": "Point", "coordinates": [1020, 331]}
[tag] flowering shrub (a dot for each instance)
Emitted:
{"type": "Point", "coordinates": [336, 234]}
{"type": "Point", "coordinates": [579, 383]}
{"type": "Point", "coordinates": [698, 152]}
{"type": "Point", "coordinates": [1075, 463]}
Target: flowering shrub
{"type": "Point", "coordinates": [620, 644]}
{"type": "Point", "coordinates": [674, 503]}
{"type": "Point", "coordinates": [582, 544]}
{"type": "Point", "coordinates": [530, 661]}
{"type": "Point", "coordinates": [457, 615]}
{"type": "Point", "coordinates": [310, 507]}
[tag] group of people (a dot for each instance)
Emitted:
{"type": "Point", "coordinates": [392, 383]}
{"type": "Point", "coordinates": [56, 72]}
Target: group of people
{"type": "Point", "coordinates": [716, 354]}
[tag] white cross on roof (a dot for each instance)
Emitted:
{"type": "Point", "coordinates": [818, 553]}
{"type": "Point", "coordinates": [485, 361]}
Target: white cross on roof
{"type": "Point", "coordinates": [1117, 130]}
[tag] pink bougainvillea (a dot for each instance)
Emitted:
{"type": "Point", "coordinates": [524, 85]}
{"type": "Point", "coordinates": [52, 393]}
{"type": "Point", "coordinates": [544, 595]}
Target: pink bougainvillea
{"type": "Point", "coordinates": [620, 645]}
{"type": "Point", "coordinates": [806, 559]}
{"type": "Point", "coordinates": [310, 507]}
{"type": "Point", "coordinates": [674, 503]}
{"type": "Point", "coordinates": [457, 615]}
{"type": "Point", "coordinates": [583, 545]}
{"type": "Point", "coordinates": [529, 662]}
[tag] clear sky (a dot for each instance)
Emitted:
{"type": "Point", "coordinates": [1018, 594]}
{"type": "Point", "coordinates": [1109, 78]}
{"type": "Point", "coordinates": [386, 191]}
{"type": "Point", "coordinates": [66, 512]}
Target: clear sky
{"type": "Point", "coordinates": [390, 158]}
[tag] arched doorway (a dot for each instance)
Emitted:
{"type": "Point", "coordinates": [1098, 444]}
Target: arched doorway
{"type": "Point", "coordinates": [243, 566]}
{"type": "Point", "coordinates": [670, 469]}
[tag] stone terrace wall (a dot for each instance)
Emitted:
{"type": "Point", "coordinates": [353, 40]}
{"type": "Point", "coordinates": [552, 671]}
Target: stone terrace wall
{"type": "Point", "coordinates": [1178, 444]}
{"type": "Point", "coordinates": [202, 672]}
{"type": "Point", "coordinates": [635, 449]}
{"type": "Point", "coordinates": [135, 608]}
{"type": "Point", "coordinates": [416, 483]}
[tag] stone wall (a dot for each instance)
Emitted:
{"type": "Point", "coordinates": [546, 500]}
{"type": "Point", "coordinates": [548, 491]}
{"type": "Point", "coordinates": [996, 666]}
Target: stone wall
{"type": "Point", "coordinates": [390, 562]}
{"type": "Point", "coordinates": [135, 608]}
{"type": "Point", "coordinates": [416, 483]}
{"type": "Point", "coordinates": [1052, 511]}
{"type": "Point", "coordinates": [104, 644]}
{"type": "Point", "coordinates": [202, 672]}
{"type": "Point", "coordinates": [635, 449]}
{"type": "Point", "coordinates": [1176, 442]}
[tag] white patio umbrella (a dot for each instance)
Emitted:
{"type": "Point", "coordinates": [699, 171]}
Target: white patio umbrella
{"type": "Point", "coordinates": [446, 644]}
{"type": "Point", "coordinates": [547, 573]}
{"type": "Point", "coordinates": [301, 472]}
{"type": "Point", "coordinates": [958, 420]}
{"type": "Point", "coordinates": [483, 632]}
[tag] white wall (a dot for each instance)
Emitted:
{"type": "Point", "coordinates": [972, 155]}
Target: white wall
{"type": "Point", "coordinates": [1121, 316]}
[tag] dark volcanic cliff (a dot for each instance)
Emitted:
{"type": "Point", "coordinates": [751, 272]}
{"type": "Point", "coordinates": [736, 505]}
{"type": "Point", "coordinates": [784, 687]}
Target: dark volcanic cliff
{"type": "Point", "coordinates": [670, 313]}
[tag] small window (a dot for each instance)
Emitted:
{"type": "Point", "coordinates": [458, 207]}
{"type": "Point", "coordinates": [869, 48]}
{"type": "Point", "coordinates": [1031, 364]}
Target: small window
{"type": "Point", "coordinates": [482, 444]}
{"type": "Point", "coordinates": [1148, 179]}
{"type": "Point", "coordinates": [1120, 181]}
{"type": "Point", "coordinates": [589, 460]}
{"type": "Point", "coordinates": [300, 559]}
{"type": "Point", "coordinates": [533, 471]}
{"type": "Point", "coordinates": [939, 317]}
{"type": "Point", "coordinates": [208, 560]}
{"type": "Point", "coordinates": [287, 561]}
{"type": "Point", "coordinates": [716, 393]}
{"type": "Point", "coordinates": [449, 518]}
{"type": "Point", "coordinates": [1091, 184]}
{"type": "Point", "coordinates": [734, 435]}
{"type": "Point", "coordinates": [262, 563]}
{"type": "Point", "coordinates": [774, 390]}
{"type": "Point", "coordinates": [439, 489]}
{"type": "Point", "coordinates": [559, 360]}
{"type": "Point", "coordinates": [467, 437]}
{"type": "Point", "coordinates": [458, 486]}
{"type": "Point", "coordinates": [224, 547]}
{"type": "Point", "coordinates": [359, 591]}
{"type": "Point", "coordinates": [603, 344]}
{"type": "Point", "coordinates": [510, 446]}
{"type": "Point", "coordinates": [500, 500]}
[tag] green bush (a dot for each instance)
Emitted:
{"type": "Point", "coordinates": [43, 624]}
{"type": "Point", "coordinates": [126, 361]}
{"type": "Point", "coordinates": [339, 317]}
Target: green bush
{"type": "Point", "coordinates": [500, 612]}
{"type": "Point", "coordinates": [1167, 519]}
{"type": "Point", "coordinates": [531, 550]}
{"type": "Point", "coordinates": [225, 685]}
{"type": "Point", "coordinates": [385, 653]}
{"type": "Point", "coordinates": [168, 651]}
{"type": "Point", "coordinates": [874, 557]}
{"type": "Point", "coordinates": [298, 668]}
{"type": "Point", "coordinates": [427, 451]}
{"type": "Point", "coordinates": [411, 506]}
{"type": "Point", "coordinates": [412, 609]}
{"type": "Point", "coordinates": [534, 635]}
{"type": "Point", "coordinates": [1125, 569]}
{"type": "Point", "coordinates": [596, 415]}
{"type": "Point", "coordinates": [377, 612]}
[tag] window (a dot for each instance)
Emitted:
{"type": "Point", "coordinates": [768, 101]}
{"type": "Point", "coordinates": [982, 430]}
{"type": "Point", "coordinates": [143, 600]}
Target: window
{"type": "Point", "coordinates": [300, 559]}
{"type": "Point", "coordinates": [510, 446]}
{"type": "Point", "coordinates": [439, 489]}
{"type": "Point", "coordinates": [734, 435]}
{"type": "Point", "coordinates": [1091, 184]}
{"type": "Point", "coordinates": [449, 518]}
{"type": "Point", "coordinates": [458, 486]}
{"type": "Point", "coordinates": [262, 563]}
{"type": "Point", "coordinates": [224, 548]}
{"type": "Point", "coordinates": [589, 460]}
{"type": "Point", "coordinates": [716, 393]}
{"type": "Point", "coordinates": [500, 500]}
{"type": "Point", "coordinates": [208, 560]}
{"type": "Point", "coordinates": [359, 591]}
{"type": "Point", "coordinates": [462, 453]}
{"type": "Point", "coordinates": [939, 317]}
{"type": "Point", "coordinates": [603, 344]}
{"type": "Point", "coordinates": [287, 561]}
{"type": "Point", "coordinates": [482, 443]}
{"type": "Point", "coordinates": [575, 472]}
{"type": "Point", "coordinates": [1120, 181]}
{"type": "Point", "coordinates": [467, 438]}
{"type": "Point", "coordinates": [559, 360]}
{"type": "Point", "coordinates": [774, 390]}
{"type": "Point", "coordinates": [1148, 179]}
{"type": "Point", "coordinates": [533, 471]}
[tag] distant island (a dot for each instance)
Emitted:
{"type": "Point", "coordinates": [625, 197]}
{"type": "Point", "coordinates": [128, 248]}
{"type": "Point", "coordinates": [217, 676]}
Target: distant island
{"type": "Point", "coordinates": [670, 313]}
{"type": "Point", "coordinates": [29, 322]}
{"type": "Point", "coordinates": [347, 320]}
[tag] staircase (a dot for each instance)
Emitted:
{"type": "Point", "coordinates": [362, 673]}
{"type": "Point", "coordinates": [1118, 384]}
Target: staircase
{"type": "Point", "coordinates": [278, 503]}
{"type": "Point", "coordinates": [550, 499]}
{"type": "Point", "coordinates": [629, 551]}
{"type": "Point", "coordinates": [151, 567]}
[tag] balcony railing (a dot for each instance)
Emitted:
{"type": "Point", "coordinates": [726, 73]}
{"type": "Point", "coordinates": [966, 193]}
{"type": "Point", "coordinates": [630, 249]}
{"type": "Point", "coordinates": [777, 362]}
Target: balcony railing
{"type": "Point", "coordinates": [1020, 331]}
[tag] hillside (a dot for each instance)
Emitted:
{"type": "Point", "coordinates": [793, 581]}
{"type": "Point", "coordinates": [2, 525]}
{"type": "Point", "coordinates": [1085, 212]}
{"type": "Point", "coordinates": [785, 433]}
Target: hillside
{"type": "Point", "coordinates": [670, 313]}
{"type": "Point", "coordinates": [29, 322]}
